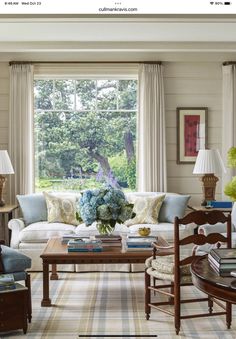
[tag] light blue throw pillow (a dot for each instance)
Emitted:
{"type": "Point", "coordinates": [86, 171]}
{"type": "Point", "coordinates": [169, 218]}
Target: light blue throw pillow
{"type": "Point", "coordinates": [173, 206]}
{"type": "Point", "coordinates": [33, 207]}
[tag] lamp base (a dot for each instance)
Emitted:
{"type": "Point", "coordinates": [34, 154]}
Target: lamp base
{"type": "Point", "coordinates": [2, 184]}
{"type": "Point", "coordinates": [208, 187]}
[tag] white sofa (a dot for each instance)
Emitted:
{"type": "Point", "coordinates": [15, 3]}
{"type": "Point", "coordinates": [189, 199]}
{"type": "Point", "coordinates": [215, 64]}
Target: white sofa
{"type": "Point", "coordinates": [31, 239]}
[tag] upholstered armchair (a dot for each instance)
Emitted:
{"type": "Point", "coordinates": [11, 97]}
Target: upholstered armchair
{"type": "Point", "coordinates": [13, 262]}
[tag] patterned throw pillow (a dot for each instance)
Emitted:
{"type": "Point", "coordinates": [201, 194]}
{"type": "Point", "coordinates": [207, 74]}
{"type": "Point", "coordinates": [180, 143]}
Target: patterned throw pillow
{"type": "Point", "coordinates": [147, 210]}
{"type": "Point", "coordinates": [61, 209]}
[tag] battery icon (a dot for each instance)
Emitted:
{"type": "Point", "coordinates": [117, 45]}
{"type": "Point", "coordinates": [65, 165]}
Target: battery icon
{"type": "Point", "coordinates": [227, 3]}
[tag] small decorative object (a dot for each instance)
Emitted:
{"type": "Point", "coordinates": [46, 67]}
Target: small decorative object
{"type": "Point", "coordinates": [5, 168]}
{"type": "Point", "coordinates": [208, 162]}
{"type": "Point", "coordinates": [106, 206]}
{"type": "Point", "coordinates": [144, 231]}
{"type": "Point", "coordinates": [230, 188]}
{"type": "Point", "coordinates": [191, 133]}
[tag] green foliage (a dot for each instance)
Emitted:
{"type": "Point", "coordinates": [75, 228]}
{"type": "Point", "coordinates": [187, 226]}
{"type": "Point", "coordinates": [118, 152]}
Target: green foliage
{"type": "Point", "coordinates": [118, 164]}
{"type": "Point", "coordinates": [231, 157]}
{"type": "Point", "coordinates": [131, 174]}
{"type": "Point", "coordinates": [230, 188]}
{"type": "Point", "coordinates": [73, 138]}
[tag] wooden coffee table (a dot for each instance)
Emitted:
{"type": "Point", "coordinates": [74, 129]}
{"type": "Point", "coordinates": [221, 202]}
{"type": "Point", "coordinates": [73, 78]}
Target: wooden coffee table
{"type": "Point", "coordinates": [56, 253]}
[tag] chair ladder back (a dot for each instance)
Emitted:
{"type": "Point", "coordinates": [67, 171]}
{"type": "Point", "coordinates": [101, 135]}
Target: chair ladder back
{"type": "Point", "coordinates": [201, 239]}
{"type": "Point", "coordinates": [177, 250]}
{"type": "Point", "coordinates": [204, 217]}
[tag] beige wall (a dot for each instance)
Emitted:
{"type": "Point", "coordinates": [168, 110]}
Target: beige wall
{"type": "Point", "coordinates": [187, 84]}
{"type": "Point", "coordinates": [191, 85]}
{"type": "Point", "coordinates": [4, 105]}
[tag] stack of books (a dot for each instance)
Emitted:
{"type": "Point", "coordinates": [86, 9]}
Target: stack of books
{"type": "Point", "coordinates": [66, 237]}
{"type": "Point", "coordinates": [7, 282]}
{"type": "Point", "coordinates": [109, 240]}
{"type": "Point", "coordinates": [136, 243]}
{"type": "Point", "coordinates": [223, 260]}
{"type": "Point", "coordinates": [84, 245]}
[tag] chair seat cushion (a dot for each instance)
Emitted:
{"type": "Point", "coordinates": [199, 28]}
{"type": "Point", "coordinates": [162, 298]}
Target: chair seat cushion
{"type": "Point", "coordinates": [42, 231]}
{"type": "Point", "coordinates": [14, 261]}
{"type": "Point", "coordinates": [163, 268]}
{"type": "Point", "coordinates": [184, 279]}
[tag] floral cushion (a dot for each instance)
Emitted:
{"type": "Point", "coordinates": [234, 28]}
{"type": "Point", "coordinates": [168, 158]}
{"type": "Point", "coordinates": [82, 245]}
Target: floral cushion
{"type": "Point", "coordinates": [61, 209]}
{"type": "Point", "coordinates": [146, 210]}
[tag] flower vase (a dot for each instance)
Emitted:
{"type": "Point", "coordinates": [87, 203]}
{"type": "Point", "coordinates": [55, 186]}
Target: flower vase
{"type": "Point", "coordinates": [105, 228]}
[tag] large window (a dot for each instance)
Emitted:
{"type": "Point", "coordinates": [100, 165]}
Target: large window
{"type": "Point", "coordinates": [85, 133]}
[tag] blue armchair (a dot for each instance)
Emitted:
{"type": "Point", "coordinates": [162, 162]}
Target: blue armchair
{"type": "Point", "coordinates": [13, 262]}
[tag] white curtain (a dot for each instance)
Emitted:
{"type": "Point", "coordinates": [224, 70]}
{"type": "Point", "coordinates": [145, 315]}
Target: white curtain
{"type": "Point", "coordinates": [228, 118]}
{"type": "Point", "coordinates": [152, 176]}
{"type": "Point", "coordinates": [21, 129]}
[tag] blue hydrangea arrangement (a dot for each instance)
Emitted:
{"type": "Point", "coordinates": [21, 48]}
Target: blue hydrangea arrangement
{"type": "Point", "coordinates": [107, 206]}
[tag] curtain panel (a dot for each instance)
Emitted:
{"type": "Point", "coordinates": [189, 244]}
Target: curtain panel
{"type": "Point", "coordinates": [21, 129]}
{"type": "Point", "coordinates": [228, 118]}
{"type": "Point", "coordinates": [151, 168]}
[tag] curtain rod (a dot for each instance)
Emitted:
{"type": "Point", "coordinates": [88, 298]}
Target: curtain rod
{"type": "Point", "coordinates": [83, 62]}
{"type": "Point", "coordinates": [229, 63]}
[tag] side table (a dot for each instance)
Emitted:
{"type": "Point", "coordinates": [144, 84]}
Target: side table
{"type": "Point", "coordinates": [13, 309]}
{"type": "Point", "coordinates": [6, 213]}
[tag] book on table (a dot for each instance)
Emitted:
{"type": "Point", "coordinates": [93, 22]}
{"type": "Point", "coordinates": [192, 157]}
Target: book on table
{"type": "Point", "coordinates": [70, 236]}
{"type": "Point", "coordinates": [109, 240]}
{"type": "Point", "coordinates": [222, 266]}
{"type": "Point", "coordinates": [136, 242]}
{"type": "Point", "coordinates": [224, 255]}
{"type": "Point", "coordinates": [7, 282]}
{"type": "Point", "coordinates": [138, 249]}
{"type": "Point", "coordinates": [84, 245]}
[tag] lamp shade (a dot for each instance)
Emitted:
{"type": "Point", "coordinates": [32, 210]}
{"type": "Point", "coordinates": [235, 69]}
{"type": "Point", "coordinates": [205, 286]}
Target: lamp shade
{"type": "Point", "coordinates": [5, 163]}
{"type": "Point", "coordinates": [208, 161]}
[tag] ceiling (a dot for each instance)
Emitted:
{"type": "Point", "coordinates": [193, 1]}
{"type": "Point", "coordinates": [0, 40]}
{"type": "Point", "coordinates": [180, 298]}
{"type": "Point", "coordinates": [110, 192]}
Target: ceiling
{"type": "Point", "coordinates": [118, 39]}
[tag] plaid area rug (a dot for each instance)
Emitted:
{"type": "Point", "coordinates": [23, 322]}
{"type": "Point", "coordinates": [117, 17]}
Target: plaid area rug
{"type": "Point", "coordinates": [104, 305]}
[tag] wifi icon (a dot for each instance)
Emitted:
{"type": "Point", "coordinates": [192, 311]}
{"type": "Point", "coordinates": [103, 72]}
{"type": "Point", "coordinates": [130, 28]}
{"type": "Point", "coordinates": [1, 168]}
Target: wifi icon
{"type": "Point", "coordinates": [212, 2]}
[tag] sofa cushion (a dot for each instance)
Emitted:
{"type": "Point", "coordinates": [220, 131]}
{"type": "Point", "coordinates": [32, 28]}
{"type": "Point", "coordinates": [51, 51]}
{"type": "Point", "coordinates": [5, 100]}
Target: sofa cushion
{"type": "Point", "coordinates": [146, 210]}
{"type": "Point", "coordinates": [33, 207]}
{"type": "Point", "coordinates": [42, 231]}
{"type": "Point", "coordinates": [173, 206]}
{"type": "Point", "coordinates": [13, 261]}
{"type": "Point", "coordinates": [61, 209]}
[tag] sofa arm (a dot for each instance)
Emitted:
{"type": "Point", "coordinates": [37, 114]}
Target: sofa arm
{"type": "Point", "coordinates": [217, 228]}
{"type": "Point", "coordinates": [15, 225]}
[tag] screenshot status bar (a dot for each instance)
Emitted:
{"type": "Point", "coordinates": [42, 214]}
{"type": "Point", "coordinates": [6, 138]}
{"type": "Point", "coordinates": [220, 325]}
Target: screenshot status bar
{"type": "Point", "coordinates": [117, 7]}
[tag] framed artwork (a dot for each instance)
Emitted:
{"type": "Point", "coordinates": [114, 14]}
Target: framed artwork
{"type": "Point", "coordinates": [191, 133]}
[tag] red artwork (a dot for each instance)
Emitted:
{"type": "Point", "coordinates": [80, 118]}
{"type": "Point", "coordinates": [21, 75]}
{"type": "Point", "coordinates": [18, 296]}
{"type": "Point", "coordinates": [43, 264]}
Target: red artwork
{"type": "Point", "coordinates": [191, 137]}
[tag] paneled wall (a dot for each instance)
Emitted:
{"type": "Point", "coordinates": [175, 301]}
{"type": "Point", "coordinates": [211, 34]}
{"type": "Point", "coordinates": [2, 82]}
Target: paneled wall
{"type": "Point", "coordinates": [191, 85]}
{"type": "Point", "coordinates": [4, 116]}
{"type": "Point", "coordinates": [4, 105]}
{"type": "Point", "coordinates": [187, 84]}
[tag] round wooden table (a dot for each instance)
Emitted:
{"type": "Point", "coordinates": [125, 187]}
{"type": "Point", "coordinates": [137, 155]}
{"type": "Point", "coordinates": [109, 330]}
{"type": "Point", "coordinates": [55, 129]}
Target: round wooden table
{"type": "Point", "coordinates": [208, 281]}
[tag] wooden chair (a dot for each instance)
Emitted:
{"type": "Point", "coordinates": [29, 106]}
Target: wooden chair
{"type": "Point", "coordinates": [19, 275]}
{"type": "Point", "coordinates": [177, 270]}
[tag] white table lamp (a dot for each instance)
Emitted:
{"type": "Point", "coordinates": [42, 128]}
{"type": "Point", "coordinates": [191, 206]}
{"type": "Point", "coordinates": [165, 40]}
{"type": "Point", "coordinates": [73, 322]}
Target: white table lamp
{"type": "Point", "coordinates": [5, 168]}
{"type": "Point", "coordinates": [207, 163]}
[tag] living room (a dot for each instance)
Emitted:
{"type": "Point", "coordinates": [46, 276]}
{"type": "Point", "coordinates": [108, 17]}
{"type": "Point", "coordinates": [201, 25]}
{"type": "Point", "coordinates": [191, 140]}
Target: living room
{"type": "Point", "coordinates": [192, 51]}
